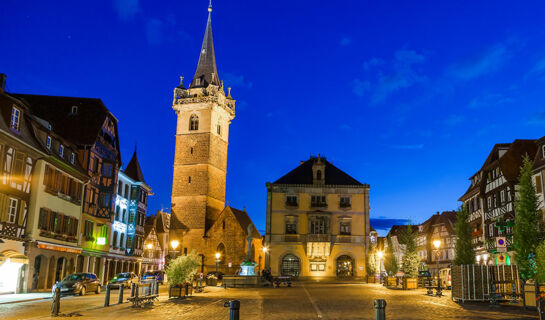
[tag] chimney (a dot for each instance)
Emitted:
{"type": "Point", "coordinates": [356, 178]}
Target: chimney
{"type": "Point", "coordinates": [2, 82]}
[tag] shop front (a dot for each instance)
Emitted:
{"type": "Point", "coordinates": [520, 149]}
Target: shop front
{"type": "Point", "coordinates": [13, 264]}
{"type": "Point", "coordinates": [50, 263]}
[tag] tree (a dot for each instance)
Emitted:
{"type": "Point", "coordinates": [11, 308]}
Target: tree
{"type": "Point", "coordinates": [410, 261]}
{"type": "Point", "coordinates": [526, 229]}
{"type": "Point", "coordinates": [464, 253]}
{"type": "Point", "coordinates": [390, 260]}
{"type": "Point", "coordinates": [370, 262]}
{"type": "Point", "coordinates": [182, 269]}
{"type": "Point", "coordinates": [540, 263]}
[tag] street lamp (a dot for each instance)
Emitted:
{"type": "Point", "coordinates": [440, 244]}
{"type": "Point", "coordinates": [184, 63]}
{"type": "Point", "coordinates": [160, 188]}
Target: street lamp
{"type": "Point", "coordinates": [218, 255]}
{"type": "Point", "coordinates": [380, 254]}
{"type": "Point", "coordinates": [150, 246]}
{"type": "Point", "coordinates": [437, 244]}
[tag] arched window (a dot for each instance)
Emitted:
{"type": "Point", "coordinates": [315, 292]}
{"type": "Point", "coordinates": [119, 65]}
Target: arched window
{"type": "Point", "coordinates": [114, 241]}
{"type": "Point", "coordinates": [319, 175]}
{"type": "Point", "coordinates": [291, 266]}
{"type": "Point", "coordinates": [121, 238]}
{"type": "Point", "coordinates": [345, 266]}
{"type": "Point", "coordinates": [194, 122]}
{"type": "Point", "coordinates": [221, 250]}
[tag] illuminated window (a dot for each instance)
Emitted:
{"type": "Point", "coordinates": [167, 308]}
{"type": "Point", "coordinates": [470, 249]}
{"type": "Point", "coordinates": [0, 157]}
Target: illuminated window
{"type": "Point", "coordinates": [48, 142]}
{"type": "Point", "coordinates": [72, 158]}
{"type": "Point", "coordinates": [15, 118]}
{"type": "Point", "coordinates": [61, 151]}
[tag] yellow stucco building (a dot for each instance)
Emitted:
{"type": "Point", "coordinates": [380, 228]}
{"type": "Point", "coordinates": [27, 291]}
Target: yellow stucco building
{"type": "Point", "coordinates": [317, 223]}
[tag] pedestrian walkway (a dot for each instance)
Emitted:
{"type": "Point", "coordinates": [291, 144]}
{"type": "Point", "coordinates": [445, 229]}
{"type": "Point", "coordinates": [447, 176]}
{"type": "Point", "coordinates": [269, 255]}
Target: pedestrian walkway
{"type": "Point", "coordinates": [23, 297]}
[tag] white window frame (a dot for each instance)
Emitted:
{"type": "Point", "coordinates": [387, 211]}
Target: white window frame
{"type": "Point", "coordinates": [12, 210]}
{"type": "Point", "coordinates": [48, 142]}
{"type": "Point", "coordinates": [61, 151]}
{"type": "Point", "coordinates": [72, 158]}
{"type": "Point", "coordinates": [15, 118]}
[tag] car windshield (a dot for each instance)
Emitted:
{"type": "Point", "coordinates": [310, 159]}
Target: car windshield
{"type": "Point", "coordinates": [149, 273]}
{"type": "Point", "coordinates": [123, 275]}
{"type": "Point", "coordinates": [73, 277]}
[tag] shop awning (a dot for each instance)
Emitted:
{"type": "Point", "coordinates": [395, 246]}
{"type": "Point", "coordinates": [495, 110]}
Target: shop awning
{"type": "Point", "coordinates": [13, 256]}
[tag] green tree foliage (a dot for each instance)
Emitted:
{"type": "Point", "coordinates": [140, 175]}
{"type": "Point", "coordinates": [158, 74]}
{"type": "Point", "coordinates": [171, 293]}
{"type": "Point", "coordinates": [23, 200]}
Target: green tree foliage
{"type": "Point", "coordinates": [182, 269]}
{"type": "Point", "coordinates": [540, 263]}
{"type": "Point", "coordinates": [371, 262]}
{"type": "Point", "coordinates": [526, 230]}
{"type": "Point", "coordinates": [410, 261]}
{"type": "Point", "coordinates": [464, 253]}
{"type": "Point", "coordinates": [390, 260]}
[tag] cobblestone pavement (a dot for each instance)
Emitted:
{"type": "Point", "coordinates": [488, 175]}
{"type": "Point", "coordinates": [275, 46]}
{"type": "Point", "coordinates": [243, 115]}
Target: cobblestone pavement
{"type": "Point", "coordinates": [306, 300]}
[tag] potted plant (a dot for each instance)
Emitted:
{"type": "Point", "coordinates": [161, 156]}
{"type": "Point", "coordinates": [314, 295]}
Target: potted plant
{"type": "Point", "coordinates": [212, 280]}
{"type": "Point", "coordinates": [181, 271]}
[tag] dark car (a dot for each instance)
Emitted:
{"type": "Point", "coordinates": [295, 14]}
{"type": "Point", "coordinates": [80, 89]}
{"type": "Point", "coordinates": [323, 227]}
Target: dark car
{"type": "Point", "coordinates": [158, 275]}
{"type": "Point", "coordinates": [218, 274]}
{"type": "Point", "coordinates": [78, 283]}
{"type": "Point", "coordinates": [125, 279]}
{"type": "Point", "coordinates": [424, 278]}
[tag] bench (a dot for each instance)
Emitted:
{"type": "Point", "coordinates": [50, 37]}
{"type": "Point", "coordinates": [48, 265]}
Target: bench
{"type": "Point", "coordinates": [143, 300]}
{"type": "Point", "coordinates": [282, 280]}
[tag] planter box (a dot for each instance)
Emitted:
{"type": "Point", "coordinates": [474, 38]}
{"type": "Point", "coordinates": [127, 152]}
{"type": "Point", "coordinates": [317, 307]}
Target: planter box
{"type": "Point", "coordinates": [391, 281]}
{"type": "Point", "coordinates": [530, 292]}
{"type": "Point", "coordinates": [410, 283]}
{"type": "Point", "coordinates": [370, 279]}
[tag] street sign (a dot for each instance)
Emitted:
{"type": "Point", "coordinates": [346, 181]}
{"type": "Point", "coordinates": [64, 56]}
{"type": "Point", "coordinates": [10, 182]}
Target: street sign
{"type": "Point", "coordinates": [500, 242]}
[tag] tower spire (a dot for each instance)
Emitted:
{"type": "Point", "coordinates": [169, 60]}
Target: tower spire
{"type": "Point", "coordinates": [207, 72]}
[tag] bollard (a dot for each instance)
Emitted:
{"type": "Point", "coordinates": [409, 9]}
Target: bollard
{"type": "Point", "coordinates": [133, 288]}
{"type": "Point", "coordinates": [120, 298]}
{"type": "Point", "coordinates": [156, 288]}
{"type": "Point", "coordinates": [107, 296]}
{"type": "Point", "coordinates": [56, 305]}
{"type": "Point", "coordinates": [234, 308]}
{"type": "Point", "coordinates": [380, 309]}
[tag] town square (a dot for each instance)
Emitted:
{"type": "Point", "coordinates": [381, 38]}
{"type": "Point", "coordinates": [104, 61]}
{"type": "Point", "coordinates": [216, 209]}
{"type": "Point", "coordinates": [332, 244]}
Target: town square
{"type": "Point", "coordinates": [207, 159]}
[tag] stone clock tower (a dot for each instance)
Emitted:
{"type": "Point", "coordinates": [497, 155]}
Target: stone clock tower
{"type": "Point", "coordinates": [204, 113]}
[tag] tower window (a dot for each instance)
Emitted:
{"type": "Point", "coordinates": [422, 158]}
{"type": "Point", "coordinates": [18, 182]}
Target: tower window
{"type": "Point", "coordinates": [194, 123]}
{"type": "Point", "coordinates": [191, 150]}
{"type": "Point", "coordinates": [219, 130]}
{"type": "Point", "coordinates": [319, 175]}
{"type": "Point", "coordinates": [74, 109]}
{"type": "Point", "coordinates": [189, 179]}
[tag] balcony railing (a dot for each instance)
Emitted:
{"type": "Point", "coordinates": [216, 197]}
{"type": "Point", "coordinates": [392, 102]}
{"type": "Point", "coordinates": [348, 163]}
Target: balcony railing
{"type": "Point", "coordinates": [348, 239]}
{"type": "Point", "coordinates": [287, 237]}
{"type": "Point", "coordinates": [318, 204]}
{"type": "Point", "coordinates": [318, 238]}
{"type": "Point", "coordinates": [12, 231]}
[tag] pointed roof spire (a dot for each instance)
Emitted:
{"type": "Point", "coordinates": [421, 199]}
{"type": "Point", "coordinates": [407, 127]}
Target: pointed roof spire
{"type": "Point", "coordinates": [207, 72]}
{"type": "Point", "coordinates": [133, 169]}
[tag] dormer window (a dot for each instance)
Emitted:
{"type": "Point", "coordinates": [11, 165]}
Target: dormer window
{"type": "Point", "coordinates": [61, 151]}
{"type": "Point", "coordinates": [48, 142]}
{"type": "Point", "coordinates": [15, 118]}
{"type": "Point", "coordinates": [72, 158]}
{"type": "Point", "coordinates": [319, 175]}
{"type": "Point", "coordinates": [194, 123]}
{"type": "Point", "coordinates": [198, 81]}
{"type": "Point", "coordinates": [74, 109]}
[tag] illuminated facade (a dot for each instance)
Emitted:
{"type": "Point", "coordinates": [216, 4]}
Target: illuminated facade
{"type": "Point", "coordinates": [317, 222]}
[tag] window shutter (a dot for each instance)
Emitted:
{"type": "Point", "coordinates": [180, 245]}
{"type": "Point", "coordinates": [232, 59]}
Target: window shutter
{"type": "Point", "coordinates": [21, 217]}
{"type": "Point", "coordinates": [4, 207]}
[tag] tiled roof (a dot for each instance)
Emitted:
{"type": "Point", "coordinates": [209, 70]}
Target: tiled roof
{"type": "Point", "coordinates": [244, 221]}
{"type": "Point", "coordinates": [303, 175]}
{"type": "Point", "coordinates": [81, 127]}
{"type": "Point", "coordinates": [511, 162]}
{"type": "Point", "coordinates": [133, 169]}
{"type": "Point", "coordinates": [539, 159]}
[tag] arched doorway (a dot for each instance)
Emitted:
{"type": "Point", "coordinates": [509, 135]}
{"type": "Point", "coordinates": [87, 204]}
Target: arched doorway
{"type": "Point", "coordinates": [39, 272]}
{"type": "Point", "coordinates": [97, 267]}
{"type": "Point", "coordinates": [61, 266]}
{"type": "Point", "coordinates": [345, 266]}
{"type": "Point", "coordinates": [69, 267]}
{"type": "Point", "coordinates": [51, 273]}
{"type": "Point", "coordinates": [79, 264]}
{"type": "Point", "coordinates": [290, 266]}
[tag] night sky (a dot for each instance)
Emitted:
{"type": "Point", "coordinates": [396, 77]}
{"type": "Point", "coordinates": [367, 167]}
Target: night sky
{"type": "Point", "coordinates": [407, 96]}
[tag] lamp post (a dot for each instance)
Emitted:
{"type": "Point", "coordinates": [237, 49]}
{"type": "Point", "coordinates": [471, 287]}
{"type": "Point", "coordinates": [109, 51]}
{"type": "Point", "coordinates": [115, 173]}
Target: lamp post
{"type": "Point", "coordinates": [218, 255]}
{"type": "Point", "coordinates": [437, 244]}
{"type": "Point", "coordinates": [265, 250]}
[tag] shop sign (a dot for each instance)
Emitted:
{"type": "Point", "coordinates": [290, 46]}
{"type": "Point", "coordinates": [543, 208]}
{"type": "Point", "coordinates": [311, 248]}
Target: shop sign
{"type": "Point", "coordinates": [58, 248]}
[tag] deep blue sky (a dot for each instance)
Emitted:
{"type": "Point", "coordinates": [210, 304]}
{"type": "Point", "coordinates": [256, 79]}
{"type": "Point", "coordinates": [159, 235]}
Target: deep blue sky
{"type": "Point", "coordinates": [407, 96]}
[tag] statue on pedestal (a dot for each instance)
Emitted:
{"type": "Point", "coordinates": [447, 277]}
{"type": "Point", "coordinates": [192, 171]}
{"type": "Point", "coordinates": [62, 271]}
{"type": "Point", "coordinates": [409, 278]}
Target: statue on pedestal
{"type": "Point", "coordinates": [248, 265]}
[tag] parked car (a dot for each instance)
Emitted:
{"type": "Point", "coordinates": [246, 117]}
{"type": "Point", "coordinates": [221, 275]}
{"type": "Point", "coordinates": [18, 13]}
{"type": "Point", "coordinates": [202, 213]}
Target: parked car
{"type": "Point", "coordinates": [125, 279]}
{"type": "Point", "coordinates": [444, 275]}
{"type": "Point", "coordinates": [78, 283]}
{"type": "Point", "coordinates": [158, 275]}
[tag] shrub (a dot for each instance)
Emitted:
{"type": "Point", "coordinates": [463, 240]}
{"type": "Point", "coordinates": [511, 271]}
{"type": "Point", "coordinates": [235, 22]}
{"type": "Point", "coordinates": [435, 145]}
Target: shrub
{"type": "Point", "coordinates": [182, 269]}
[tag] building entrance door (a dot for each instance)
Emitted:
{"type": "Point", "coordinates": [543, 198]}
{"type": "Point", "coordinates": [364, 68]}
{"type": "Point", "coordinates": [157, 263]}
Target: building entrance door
{"type": "Point", "coordinates": [345, 267]}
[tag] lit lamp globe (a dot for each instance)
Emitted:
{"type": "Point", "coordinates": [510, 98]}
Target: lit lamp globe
{"type": "Point", "coordinates": [218, 255]}
{"type": "Point", "coordinates": [437, 244]}
{"type": "Point", "coordinates": [150, 246]}
{"type": "Point", "coordinates": [380, 254]}
{"type": "Point", "coordinates": [265, 249]}
{"type": "Point", "coordinates": [174, 244]}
